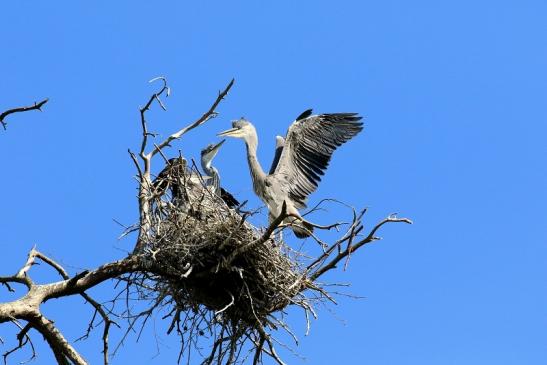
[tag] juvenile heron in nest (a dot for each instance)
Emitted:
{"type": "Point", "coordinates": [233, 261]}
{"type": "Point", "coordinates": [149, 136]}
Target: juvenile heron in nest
{"type": "Point", "coordinates": [174, 167]}
{"type": "Point", "coordinates": [207, 156]}
{"type": "Point", "coordinates": [303, 157]}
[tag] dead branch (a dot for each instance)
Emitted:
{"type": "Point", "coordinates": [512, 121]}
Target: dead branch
{"type": "Point", "coordinates": [27, 308]}
{"type": "Point", "coordinates": [62, 349]}
{"type": "Point", "coordinates": [36, 106]}
{"type": "Point", "coordinates": [353, 247]}
{"type": "Point", "coordinates": [23, 338]}
{"type": "Point", "coordinates": [98, 307]}
{"type": "Point", "coordinates": [209, 114]}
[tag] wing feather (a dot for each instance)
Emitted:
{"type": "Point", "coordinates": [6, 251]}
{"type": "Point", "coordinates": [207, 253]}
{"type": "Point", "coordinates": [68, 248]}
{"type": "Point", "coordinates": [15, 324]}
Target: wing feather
{"type": "Point", "coordinates": [309, 146]}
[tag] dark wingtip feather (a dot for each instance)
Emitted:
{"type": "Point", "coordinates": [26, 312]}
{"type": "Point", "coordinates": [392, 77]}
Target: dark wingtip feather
{"type": "Point", "coordinates": [305, 114]}
{"type": "Point", "coordinates": [303, 231]}
{"type": "Point", "coordinates": [228, 198]}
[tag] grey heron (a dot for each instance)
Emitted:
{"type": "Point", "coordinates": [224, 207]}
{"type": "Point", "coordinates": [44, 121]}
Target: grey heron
{"type": "Point", "coordinates": [303, 157]}
{"type": "Point", "coordinates": [207, 156]}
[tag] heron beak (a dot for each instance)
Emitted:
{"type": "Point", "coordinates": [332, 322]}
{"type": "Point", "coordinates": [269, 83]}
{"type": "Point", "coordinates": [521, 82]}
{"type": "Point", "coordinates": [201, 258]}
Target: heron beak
{"type": "Point", "coordinates": [216, 148]}
{"type": "Point", "coordinates": [229, 133]}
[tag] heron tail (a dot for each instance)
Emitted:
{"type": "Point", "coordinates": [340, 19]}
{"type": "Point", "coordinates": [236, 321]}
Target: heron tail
{"type": "Point", "coordinates": [302, 229]}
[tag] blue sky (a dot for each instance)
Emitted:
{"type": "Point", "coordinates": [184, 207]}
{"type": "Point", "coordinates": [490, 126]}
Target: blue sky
{"type": "Point", "coordinates": [454, 96]}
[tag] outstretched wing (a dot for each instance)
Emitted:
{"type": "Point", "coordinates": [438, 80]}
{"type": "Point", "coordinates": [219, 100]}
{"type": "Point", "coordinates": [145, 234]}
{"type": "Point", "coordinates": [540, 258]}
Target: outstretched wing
{"type": "Point", "coordinates": [308, 148]}
{"type": "Point", "coordinates": [280, 142]}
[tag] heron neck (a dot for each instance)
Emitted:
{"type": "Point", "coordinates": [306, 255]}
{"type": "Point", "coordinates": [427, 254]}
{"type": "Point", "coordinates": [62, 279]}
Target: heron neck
{"type": "Point", "coordinates": [207, 168]}
{"type": "Point", "coordinates": [257, 173]}
{"type": "Point", "coordinates": [214, 178]}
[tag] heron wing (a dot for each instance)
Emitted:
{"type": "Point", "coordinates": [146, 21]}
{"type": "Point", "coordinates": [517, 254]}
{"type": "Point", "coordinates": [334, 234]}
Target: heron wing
{"type": "Point", "coordinates": [228, 198]}
{"type": "Point", "coordinates": [308, 148]}
{"type": "Point", "coordinates": [279, 143]}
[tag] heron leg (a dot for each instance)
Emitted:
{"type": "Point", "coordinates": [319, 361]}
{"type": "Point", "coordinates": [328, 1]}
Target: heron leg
{"type": "Point", "coordinates": [279, 234]}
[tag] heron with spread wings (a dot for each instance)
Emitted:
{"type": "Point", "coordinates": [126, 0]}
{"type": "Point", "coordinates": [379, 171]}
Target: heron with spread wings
{"type": "Point", "coordinates": [300, 161]}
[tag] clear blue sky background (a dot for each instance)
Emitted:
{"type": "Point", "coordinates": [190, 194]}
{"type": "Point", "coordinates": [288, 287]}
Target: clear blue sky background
{"type": "Point", "coordinates": [455, 100]}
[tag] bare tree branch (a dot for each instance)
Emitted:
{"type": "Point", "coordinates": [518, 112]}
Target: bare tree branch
{"type": "Point", "coordinates": [23, 338]}
{"type": "Point", "coordinates": [98, 307]}
{"type": "Point", "coordinates": [155, 97]}
{"type": "Point", "coordinates": [211, 113]}
{"type": "Point", "coordinates": [36, 106]}
{"type": "Point", "coordinates": [352, 248]}
{"type": "Point", "coordinates": [63, 350]}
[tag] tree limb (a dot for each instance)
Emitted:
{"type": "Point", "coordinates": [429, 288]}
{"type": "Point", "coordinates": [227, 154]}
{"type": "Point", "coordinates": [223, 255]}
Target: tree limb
{"type": "Point", "coordinates": [62, 349]}
{"type": "Point", "coordinates": [352, 248]}
{"type": "Point", "coordinates": [36, 106]}
{"type": "Point", "coordinates": [204, 118]}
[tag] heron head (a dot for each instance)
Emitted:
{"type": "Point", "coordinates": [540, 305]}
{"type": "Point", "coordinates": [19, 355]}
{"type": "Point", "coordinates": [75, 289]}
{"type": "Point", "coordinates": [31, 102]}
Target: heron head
{"type": "Point", "coordinates": [177, 161]}
{"type": "Point", "coordinates": [209, 152]}
{"type": "Point", "coordinates": [240, 129]}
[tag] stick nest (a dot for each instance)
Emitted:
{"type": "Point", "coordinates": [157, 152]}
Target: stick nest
{"type": "Point", "coordinates": [212, 256]}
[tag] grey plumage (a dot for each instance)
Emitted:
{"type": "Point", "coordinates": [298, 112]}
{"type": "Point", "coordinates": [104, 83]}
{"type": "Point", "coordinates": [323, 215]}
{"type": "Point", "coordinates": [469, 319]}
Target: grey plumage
{"type": "Point", "coordinates": [207, 156]}
{"type": "Point", "coordinates": [308, 149]}
{"type": "Point", "coordinates": [304, 156]}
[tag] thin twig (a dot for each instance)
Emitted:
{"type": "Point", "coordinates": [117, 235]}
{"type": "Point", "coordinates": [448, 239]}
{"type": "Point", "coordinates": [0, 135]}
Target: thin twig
{"type": "Point", "coordinates": [332, 264]}
{"type": "Point", "coordinates": [22, 339]}
{"type": "Point", "coordinates": [266, 236]}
